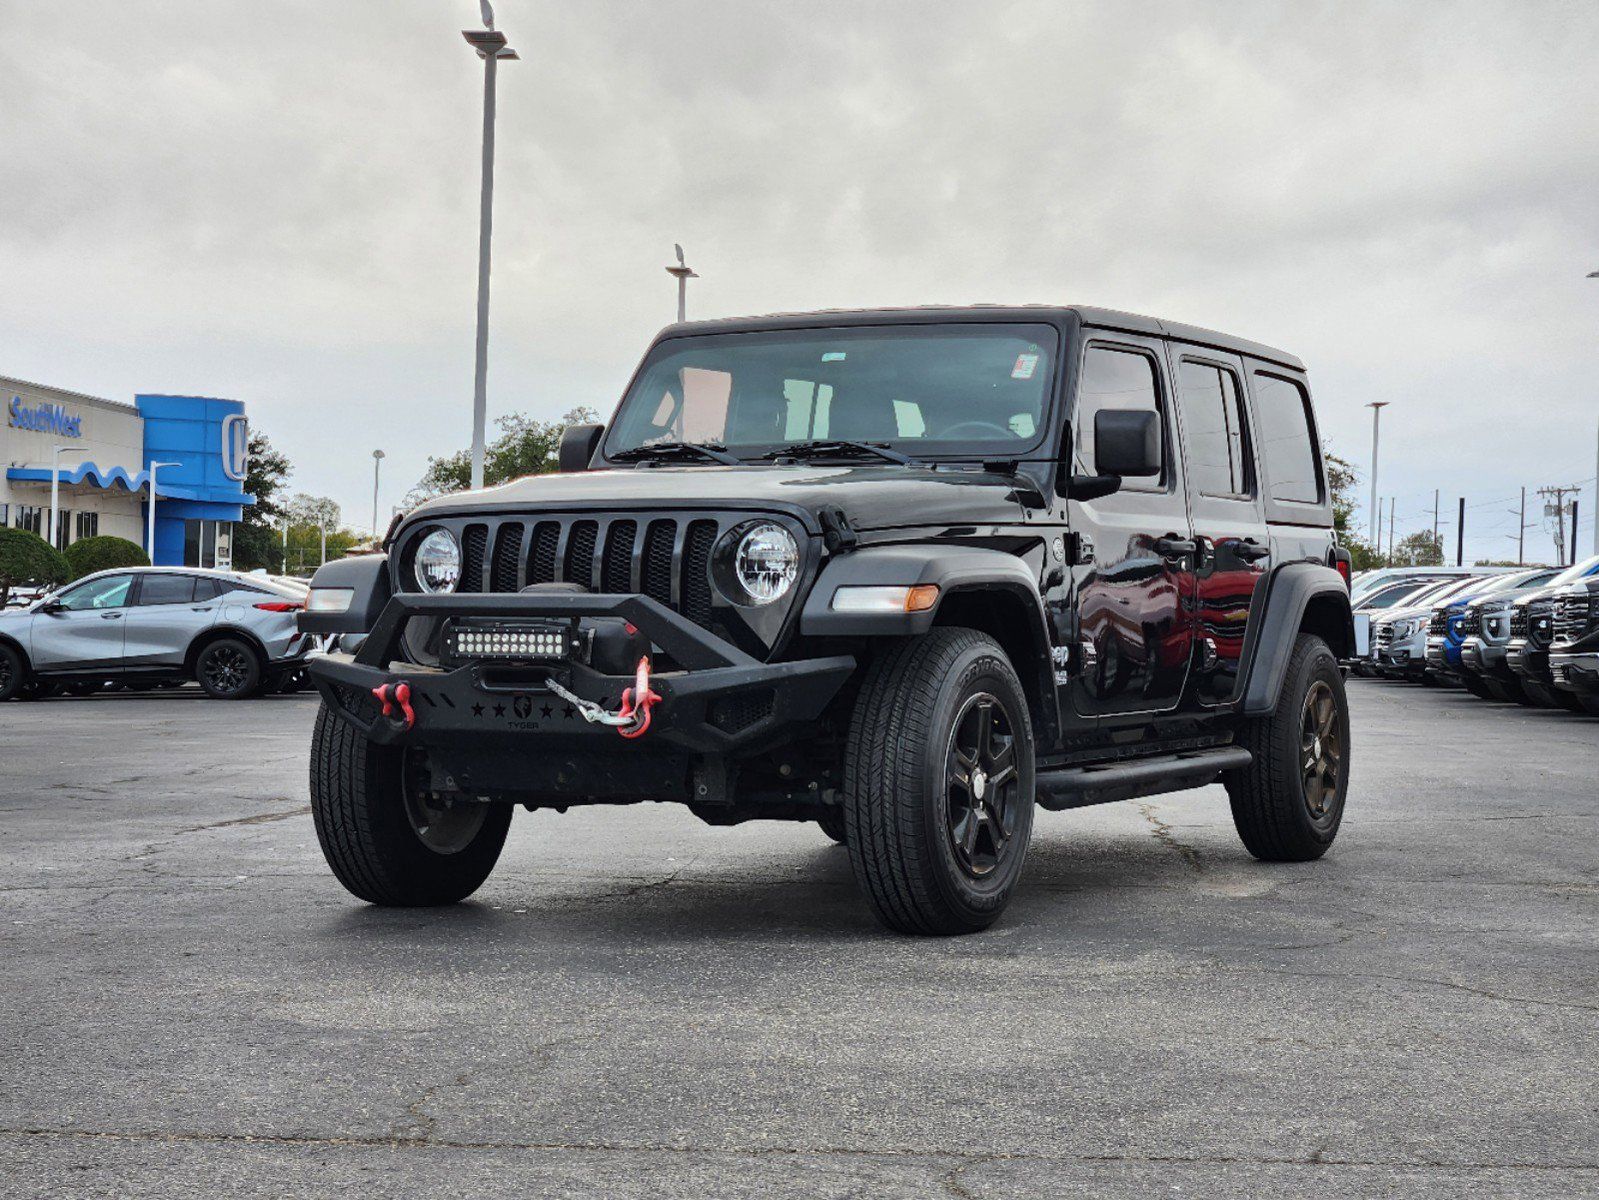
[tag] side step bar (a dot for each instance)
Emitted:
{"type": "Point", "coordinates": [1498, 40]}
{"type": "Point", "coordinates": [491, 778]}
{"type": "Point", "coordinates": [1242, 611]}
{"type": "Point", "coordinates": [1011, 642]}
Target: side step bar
{"type": "Point", "coordinates": [1077, 787]}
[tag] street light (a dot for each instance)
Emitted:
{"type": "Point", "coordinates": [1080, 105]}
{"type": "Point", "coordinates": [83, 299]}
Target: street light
{"type": "Point", "coordinates": [377, 461]}
{"type": "Point", "coordinates": [149, 544]}
{"type": "Point", "coordinates": [1376, 407]}
{"type": "Point", "coordinates": [491, 48]}
{"type": "Point", "coordinates": [55, 489]}
{"type": "Point", "coordinates": [1592, 275]}
{"type": "Point", "coordinates": [682, 273]}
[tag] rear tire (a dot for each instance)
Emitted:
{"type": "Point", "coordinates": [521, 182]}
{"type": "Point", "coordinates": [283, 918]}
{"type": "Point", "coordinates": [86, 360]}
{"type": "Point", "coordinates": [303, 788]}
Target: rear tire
{"type": "Point", "coordinates": [370, 837]}
{"type": "Point", "coordinates": [939, 783]}
{"type": "Point", "coordinates": [1289, 802]}
{"type": "Point", "coordinates": [228, 669]}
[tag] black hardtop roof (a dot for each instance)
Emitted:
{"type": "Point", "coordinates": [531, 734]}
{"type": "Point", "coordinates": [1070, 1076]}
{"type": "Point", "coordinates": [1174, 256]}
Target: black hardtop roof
{"type": "Point", "coordinates": [1098, 318]}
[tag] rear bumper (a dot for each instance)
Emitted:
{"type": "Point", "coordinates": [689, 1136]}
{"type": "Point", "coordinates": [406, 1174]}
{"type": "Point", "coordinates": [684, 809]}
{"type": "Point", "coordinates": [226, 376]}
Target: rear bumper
{"type": "Point", "coordinates": [716, 701]}
{"type": "Point", "coordinates": [1575, 671]}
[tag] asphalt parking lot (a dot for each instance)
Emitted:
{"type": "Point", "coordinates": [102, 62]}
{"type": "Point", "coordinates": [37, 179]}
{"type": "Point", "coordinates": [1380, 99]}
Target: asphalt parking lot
{"type": "Point", "coordinates": [639, 1005]}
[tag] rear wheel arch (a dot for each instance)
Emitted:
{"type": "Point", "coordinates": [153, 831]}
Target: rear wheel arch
{"type": "Point", "coordinates": [217, 633]}
{"type": "Point", "coordinates": [1300, 598]}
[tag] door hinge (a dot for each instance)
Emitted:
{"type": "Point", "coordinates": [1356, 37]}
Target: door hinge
{"type": "Point", "coordinates": [1079, 549]}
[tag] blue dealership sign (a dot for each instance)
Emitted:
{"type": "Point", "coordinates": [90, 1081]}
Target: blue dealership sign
{"type": "Point", "coordinates": [45, 418]}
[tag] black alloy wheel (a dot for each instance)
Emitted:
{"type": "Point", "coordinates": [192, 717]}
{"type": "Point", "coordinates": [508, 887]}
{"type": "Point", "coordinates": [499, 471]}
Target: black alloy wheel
{"type": "Point", "coordinates": [980, 786]}
{"type": "Point", "coordinates": [228, 670]}
{"type": "Point", "coordinates": [13, 675]}
{"type": "Point", "coordinates": [1321, 748]}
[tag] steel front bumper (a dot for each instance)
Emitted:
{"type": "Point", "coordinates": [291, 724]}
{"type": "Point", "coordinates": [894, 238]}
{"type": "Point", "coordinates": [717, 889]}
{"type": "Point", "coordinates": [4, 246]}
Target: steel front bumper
{"type": "Point", "coordinates": [1575, 670]}
{"type": "Point", "coordinates": [715, 700]}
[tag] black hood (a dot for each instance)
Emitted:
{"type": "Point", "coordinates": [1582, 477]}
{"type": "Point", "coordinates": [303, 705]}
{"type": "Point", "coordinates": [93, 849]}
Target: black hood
{"type": "Point", "coordinates": [873, 496]}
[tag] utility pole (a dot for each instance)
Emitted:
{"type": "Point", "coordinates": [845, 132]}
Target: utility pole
{"type": "Point", "coordinates": [491, 48]}
{"type": "Point", "coordinates": [1596, 491]}
{"type": "Point", "coordinates": [1376, 407]}
{"type": "Point", "coordinates": [377, 462]}
{"type": "Point", "coordinates": [1460, 535]}
{"type": "Point", "coordinates": [1554, 509]}
{"type": "Point", "coordinates": [1435, 515]}
{"type": "Point", "coordinates": [1390, 529]}
{"type": "Point", "coordinates": [1574, 531]}
{"type": "Point", "coordinates": [1521, 531]}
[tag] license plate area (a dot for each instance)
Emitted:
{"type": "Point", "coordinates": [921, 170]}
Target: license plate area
{"type": "Point", "coordinates": [508, 640]}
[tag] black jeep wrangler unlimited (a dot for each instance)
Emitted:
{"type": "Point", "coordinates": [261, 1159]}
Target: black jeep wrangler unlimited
{"type": "Point", "coordinates": [906, 574]}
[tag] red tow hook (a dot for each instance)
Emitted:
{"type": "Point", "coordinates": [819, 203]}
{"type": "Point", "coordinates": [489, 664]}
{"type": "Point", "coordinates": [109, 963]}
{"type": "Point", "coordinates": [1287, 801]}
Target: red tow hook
{"type": "Point", "coordinates": [637, 701]}
{"type": "Point", "coordinates": [401, 696]}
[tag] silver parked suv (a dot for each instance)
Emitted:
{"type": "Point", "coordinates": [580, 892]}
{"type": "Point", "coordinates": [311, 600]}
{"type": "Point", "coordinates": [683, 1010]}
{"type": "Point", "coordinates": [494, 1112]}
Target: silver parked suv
{"type": "Point", "coordinates": [233, 634]}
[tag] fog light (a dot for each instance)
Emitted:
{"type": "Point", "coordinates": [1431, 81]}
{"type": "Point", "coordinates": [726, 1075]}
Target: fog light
{"type": "Point", "coordinates": [886, 599]}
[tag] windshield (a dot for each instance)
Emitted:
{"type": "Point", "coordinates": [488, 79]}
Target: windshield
{"type": "Point", "coordinates": [961, 391]}
{"type": "Point", "coordinates": [1578, 571]}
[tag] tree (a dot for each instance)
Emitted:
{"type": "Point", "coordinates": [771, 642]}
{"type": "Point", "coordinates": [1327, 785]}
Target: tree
{"type": "Point", "coordinates": [105, 553]}
{"type": "Point", "coordinates": [1341, 480]}
{"type": "Point", "coordinates": [1421, 549]}
{"type": "Point", "coordinates": [524, 447]}
{"type": "Point", "coordinates": [26, 558]}
{"type": "Point", "coordinates": [257, 538]}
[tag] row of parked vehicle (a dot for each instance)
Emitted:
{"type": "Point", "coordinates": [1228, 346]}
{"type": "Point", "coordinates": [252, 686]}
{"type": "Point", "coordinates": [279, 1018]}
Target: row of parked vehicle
{"type": "Point", "coordinates": [1526, 635]}
{"type": "Point", "coordinates": [148, 627]}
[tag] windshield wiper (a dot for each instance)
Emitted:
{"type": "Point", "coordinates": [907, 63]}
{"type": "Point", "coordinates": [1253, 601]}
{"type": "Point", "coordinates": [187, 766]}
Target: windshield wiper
{"type": "Point", "coordinates": [833, 448]}
{"type": "Point", "coordinates": [714, 451]}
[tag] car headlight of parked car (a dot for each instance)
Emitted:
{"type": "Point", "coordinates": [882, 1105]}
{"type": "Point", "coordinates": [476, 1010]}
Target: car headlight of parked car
{"type": "Point", "coordinates": [437, 565]}
{"type": "Point", "coordinates": [1403, 629]}
{"type": "Point", "coordinates": [763, 564]}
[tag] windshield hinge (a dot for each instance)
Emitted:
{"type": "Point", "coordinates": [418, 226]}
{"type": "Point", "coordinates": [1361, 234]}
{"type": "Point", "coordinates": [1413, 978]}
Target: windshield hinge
{"type": "Point", "coordinates": [837, 533]}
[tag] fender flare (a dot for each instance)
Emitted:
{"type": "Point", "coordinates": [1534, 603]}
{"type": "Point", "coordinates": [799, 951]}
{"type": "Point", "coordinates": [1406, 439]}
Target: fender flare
{"type": "Point", "coordinates": [1292, 591]}
{"type": "Point", "coordinates": [367, 576]}
{"type": "Point", "coordinates": [957, 570]}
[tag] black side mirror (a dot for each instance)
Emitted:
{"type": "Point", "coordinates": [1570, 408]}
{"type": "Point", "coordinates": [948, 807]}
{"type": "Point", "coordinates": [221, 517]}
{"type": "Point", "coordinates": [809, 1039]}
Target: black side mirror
{"type": "Point", "coordinates": [1126, 443]}
{"type": "Point", "coordinates": [578, 444]}
{"type": "Point", "coordinates": [52, 606]}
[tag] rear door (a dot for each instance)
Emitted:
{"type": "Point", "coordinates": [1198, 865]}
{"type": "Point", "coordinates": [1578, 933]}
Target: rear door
{"type": "Point", "coordinates": [1134, 600]}
{"type": "Point", "coordinates": [87, 633]}
{"type": "Point", "coordinates": [1233, 549]}
{"type": "Point", "coordinates": [167, 613]}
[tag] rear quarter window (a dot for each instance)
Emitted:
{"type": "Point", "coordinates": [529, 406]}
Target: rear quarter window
{"type": "Point", "coordinates": [1289, 457]}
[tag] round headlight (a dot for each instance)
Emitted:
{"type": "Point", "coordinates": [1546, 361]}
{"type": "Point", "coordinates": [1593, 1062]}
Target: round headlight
{"type": "Point", "coordinates": [766, 562]}
{"type": "Point", "coordinates": [438, 562]}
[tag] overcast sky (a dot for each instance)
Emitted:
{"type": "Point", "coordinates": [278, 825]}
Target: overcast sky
{"type": "Point", "coordinates": [277, 202]}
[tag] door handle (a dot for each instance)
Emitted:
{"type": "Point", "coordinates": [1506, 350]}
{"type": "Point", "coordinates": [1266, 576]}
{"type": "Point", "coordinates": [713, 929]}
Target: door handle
{"type": "Point", "coordinates": [202, 608]}
{"type": "Point", "coordinates": [1250, 550]}
{"type": "Point", "coordinates": [1172, 546]}
{"type": "Point", "coordinates": [111, 616]}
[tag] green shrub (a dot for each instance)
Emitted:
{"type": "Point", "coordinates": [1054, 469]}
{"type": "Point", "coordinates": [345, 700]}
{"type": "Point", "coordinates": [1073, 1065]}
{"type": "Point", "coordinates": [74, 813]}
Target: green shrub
{"type": "Point", "coordinates": [26, 558]}
{"type": "Point", "coordinates": [88, 555]}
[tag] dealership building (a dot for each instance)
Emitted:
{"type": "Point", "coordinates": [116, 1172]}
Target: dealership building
{"type": "Point", "coordinates": [100, 453]}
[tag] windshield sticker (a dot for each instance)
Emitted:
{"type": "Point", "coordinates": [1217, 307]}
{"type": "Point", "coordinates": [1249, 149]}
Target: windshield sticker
{"type": "Point", "coordinates": [1026, 364]}
{"type": "Point", "coordinates": [833, 356]}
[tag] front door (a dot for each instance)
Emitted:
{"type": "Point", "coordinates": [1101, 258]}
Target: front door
{"type": "Point", "coordinates": [1134, 600]}
{"type": "Point", "coordinates": [1233, 546]}
{"type": "Point", "coordinates": [87, 632]}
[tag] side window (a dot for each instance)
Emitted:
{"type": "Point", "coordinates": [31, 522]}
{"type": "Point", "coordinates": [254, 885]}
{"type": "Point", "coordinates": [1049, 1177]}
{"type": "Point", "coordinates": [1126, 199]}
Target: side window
{"type": "Point", "coordinates": [1215, 444]}
{"type": "Point", "coordinates": [1118, 379]}
{"type": "Point", "coordinates": [1288, 451]}
{"type": "Point", "coordinates": [166, 589]}
{"type": "Point", "coordinates": [109, 592]}
{"type": "Point", "coordinates": [208, 589]}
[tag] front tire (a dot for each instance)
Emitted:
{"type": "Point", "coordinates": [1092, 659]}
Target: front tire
{"type": "Point", "coordinates": [832, 823]}
{"type": "Point", "coordinates": [386, 844]}
{"type": "Point", "coordinates": [939, 783]}
{"type": "Point", "coordinates": [13, 673]}
{"type": "Point", "coordinates": [1289, 802]}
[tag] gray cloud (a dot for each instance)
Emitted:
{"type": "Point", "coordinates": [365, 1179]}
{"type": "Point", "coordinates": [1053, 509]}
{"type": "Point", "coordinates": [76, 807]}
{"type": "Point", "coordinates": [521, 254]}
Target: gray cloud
{"type": "Point", "coordinates": [278, 202]}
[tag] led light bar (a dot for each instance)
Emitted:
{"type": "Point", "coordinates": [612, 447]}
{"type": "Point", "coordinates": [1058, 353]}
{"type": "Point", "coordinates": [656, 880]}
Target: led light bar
{"type": "Point", "coordinates": [506, 641]}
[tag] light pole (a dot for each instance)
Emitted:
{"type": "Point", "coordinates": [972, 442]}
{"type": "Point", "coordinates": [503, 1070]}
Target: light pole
{"type": "Point", "coordinates": [55, 490]}
{"type": "Point", "coordinates": [1376, 407]}
{"type": "Point", "coordinates": [377, 461]}
{"type": "Point", "coordinates": [491, 48]}
{"type": "Point", "coordinates": [149, 542]}
{"type": "Point", "coordinates": [682, 274]}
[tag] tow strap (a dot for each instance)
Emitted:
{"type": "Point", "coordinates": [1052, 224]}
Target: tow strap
{"type": "Point", "coordinates": [632, 719]}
